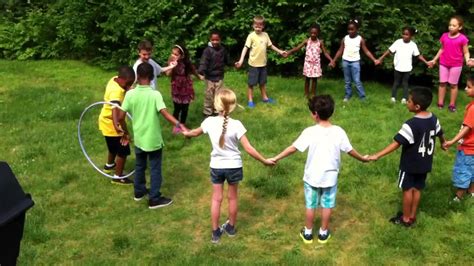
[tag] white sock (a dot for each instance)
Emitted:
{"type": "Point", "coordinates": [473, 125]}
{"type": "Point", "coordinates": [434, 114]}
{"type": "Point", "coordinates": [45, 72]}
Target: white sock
{"type": "Point", "coordinates": [308, 231]}
{"type": "Point", "coordinates": [109, 164]}
{"type": "Point", "coordinates": [323, 232]}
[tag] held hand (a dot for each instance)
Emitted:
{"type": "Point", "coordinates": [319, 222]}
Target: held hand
{"type": "Point", "coordinates": [377, 62]}
{"type": "Point", "coordinates": [183, 128]}
{"type": "Point", "coordinates": [445, 146]}
{"type": "Point", "coordinates": [187, 134]}
{"type": "Point", "coordinates": [238, 64]}
{"type": "Point", "coordinates": [431, 64]}
{"type": "Point", "coordinates": [366, 158]}
{"type": "Point", "coordinates": [373, 157]}
{"type": "Point", "coordinates": [285, 54]}
{"type": "Point", "coordinates": [332, 64]}
{"type": "Point", "coordinates": [173, 63]}
{"type": "Point", "coordinates": [269, 162]}
{"type": "Point", "coordinates": [470, 62]}
{"type": "Point", "coordinates": [201, 77]}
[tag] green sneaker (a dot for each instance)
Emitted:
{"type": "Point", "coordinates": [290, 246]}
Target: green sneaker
{"type": "Point", "coordinates": [307, 238]}
{"type": "Point", "coordinates": [323, 239]}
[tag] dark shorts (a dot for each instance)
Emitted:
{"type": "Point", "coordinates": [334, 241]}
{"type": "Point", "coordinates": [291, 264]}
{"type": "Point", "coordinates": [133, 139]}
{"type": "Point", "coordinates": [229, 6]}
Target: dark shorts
{"type": "Point", "coordinates": [410, 180]}
{"type": "Point", "coordinates": [232, 175]}
{"type": "Point", "coordinates": [257, 75]}
{"type": "Point", "coordinates": [114, 146]}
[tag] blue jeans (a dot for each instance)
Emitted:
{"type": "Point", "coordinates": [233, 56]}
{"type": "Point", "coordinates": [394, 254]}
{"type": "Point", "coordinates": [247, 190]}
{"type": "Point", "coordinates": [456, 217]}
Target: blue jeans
{"type": "Point", "coordinates": [155, 158]}
{"type": "Point", "coordinates": [352, 74]}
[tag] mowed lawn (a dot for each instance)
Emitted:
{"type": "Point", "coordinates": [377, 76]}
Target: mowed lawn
{"type": "Point", "coordinates": [80, 218]}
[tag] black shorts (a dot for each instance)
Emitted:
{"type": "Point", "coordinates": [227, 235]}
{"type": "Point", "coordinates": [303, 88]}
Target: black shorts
{"type": "Point", "coordinates": [232, 175]}
{"type": "Point", "coordinates": [115, 147]}
{"type": "Point", "coordinates": [257, 75]}
{"type": "Point", "coordinates": [411, 180]}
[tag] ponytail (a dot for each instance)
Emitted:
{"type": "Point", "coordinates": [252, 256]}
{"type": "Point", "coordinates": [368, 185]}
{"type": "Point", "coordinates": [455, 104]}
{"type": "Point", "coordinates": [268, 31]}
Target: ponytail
{"type": "Point", "coordinates": [224, 129]}
{"type": "Point", "coordinates": [224, 102]}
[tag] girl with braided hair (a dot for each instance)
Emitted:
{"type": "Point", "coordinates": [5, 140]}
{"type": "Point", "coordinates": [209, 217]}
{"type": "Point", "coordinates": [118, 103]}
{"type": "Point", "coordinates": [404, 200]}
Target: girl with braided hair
{"type": "Point", "coordinates": [226, 162]}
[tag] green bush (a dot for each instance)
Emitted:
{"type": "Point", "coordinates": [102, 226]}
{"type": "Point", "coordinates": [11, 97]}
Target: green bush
{"type": "Point", "coordinates": [107, 32]}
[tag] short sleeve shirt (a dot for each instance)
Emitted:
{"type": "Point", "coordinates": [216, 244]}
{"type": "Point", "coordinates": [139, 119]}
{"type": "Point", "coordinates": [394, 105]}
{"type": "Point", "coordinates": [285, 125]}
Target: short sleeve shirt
{"type": "Point", "coordinates": [227, 157]}
{"type": "Point", "coordinates": [113, 93]}
{"type": "Point", "coordinates": [156, 71]}
{"type": "Point", "coordinates": [324, 146]}
{"type": "Point", "coordinates": [452, 55]}
{"type": "Point", "coordinates": [467, 144]}
{"type": "Point", "coordinates": [258, 43]}
{"type": "Point", "coordinates": [144, 104]}
{"type": "Point", "coordinates": [404, 53]}
{"type": "Point", "coordinates": [417, 137]}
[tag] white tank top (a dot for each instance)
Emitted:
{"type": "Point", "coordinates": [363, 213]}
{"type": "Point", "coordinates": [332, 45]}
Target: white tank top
{"type": "Point", "coordinates": [351, 48]}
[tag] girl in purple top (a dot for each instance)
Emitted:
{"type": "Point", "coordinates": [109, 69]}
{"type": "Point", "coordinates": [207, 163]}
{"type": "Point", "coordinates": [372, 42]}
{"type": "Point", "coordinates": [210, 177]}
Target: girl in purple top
{"type": "Point", "coordinates": [453, 49]}
{"type": "Point", "coordinates": [182, 90]}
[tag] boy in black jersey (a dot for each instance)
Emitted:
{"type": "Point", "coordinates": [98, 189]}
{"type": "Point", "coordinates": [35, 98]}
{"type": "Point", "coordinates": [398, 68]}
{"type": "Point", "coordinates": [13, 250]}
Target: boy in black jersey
{"type": "Point", "coordinates": [417, 138]}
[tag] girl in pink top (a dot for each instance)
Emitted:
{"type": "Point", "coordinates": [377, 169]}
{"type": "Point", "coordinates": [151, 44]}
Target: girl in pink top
{"type": "Point", "coordinates": [312, 61]}
{"type": "Point", "coordinates": [453, 49]}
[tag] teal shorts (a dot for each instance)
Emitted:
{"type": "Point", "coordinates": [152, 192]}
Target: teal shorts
{"type": "Point", "coordinates": [322, 196]}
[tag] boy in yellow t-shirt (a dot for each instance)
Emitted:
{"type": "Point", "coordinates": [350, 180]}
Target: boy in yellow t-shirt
{"type": "Point", "coordinates": [111, 127]}
{"type": "Point", "coordinates": [257, 42]}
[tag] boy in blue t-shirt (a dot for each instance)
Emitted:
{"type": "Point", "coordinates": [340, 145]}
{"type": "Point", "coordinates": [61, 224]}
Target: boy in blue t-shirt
{"type": "Point", "coordinates": [417, 138]}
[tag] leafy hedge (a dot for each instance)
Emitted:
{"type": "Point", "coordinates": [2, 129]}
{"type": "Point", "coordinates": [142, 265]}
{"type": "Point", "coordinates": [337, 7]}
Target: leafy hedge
{"type": "Point", "coordinates": [107, 32]}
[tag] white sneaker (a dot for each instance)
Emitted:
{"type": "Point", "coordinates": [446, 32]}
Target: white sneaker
{"type": "Point", "coordinates": [456, 199]}
{"type": "Point", "coordinates": [393, 100]}
{"type": "Point", "coordinates": [345, 100]}
{"type": "Point", "coordinates": [403, 101]}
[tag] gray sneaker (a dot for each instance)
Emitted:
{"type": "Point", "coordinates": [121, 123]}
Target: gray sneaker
{"type": "Point", "coordinates": [216, 235]}
{"type": "Point", "coordinates": [229, 229]}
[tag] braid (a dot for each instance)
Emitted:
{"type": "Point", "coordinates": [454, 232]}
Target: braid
{"type": "Point", "coordinates": [224, 129]}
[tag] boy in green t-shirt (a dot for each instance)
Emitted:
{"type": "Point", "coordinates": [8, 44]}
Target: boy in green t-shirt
{"type": "Point", "coordinates": [145, 105]}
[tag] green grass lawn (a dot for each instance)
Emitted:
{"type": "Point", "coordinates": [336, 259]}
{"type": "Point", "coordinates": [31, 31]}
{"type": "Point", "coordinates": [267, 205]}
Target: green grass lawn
{"type": "Point", "coordinates": [80, 218]}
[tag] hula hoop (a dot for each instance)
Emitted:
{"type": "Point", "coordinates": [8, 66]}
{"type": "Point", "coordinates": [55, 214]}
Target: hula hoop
{"type": "Point", "coordinates": [79, 123]}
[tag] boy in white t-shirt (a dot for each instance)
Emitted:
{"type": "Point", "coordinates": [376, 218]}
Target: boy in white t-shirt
{"type": "Point", "coordinates": [145, 50]}
{"type": "Point", "coordinates": [325, 143]}
{"type": "Point", "coordinates": [404, 50]}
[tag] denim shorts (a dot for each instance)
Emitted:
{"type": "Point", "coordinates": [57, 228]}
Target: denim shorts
{"type": "Point", "coordinates": [232, 175]}
{"type": "Point", "coordinates": [257, 75]}
{"type": "Point", "coordinates": [463, 171]}
{"type": "Point", "coordinates": [323, 196]}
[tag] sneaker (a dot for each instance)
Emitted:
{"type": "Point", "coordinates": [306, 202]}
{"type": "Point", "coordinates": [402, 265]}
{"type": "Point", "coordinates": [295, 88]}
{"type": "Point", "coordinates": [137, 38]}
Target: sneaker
{"type": "Point", "coordinates": [307, 238]}
{"type": "Point", "coordinates": [268, 100]}
{"type": "Point", "coordinates": [393, 100]}
{"type": "Point", "coordinates": [229, 229]}
{"type": "Point", "coordinates": [403, 101]}
{"type": "Point", "coordinates": [216, 235]}
{"type": "Point", "coordinates": [440, 106]}
{"type": "Point", "coordinates": [251, 104]}
{"type": "Point", "coordinates": [323, 239]}
{"type": "Point", "coordinates": [140, 196]}
{"type": "Point", "coordinates": [109, 169]}
{"type": "Point", "coordinates": [160, 202]}
{"type": "Point", "coordinates": [452, 108]}
{"type": "Point", "coordinates": [456, 199]}
{"type": "Point", "coordinates": [121, 181]}
{"type": "Point", "coordinates": [345, 100]}
{"type": "Point", "coordinates": [398, 219]}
